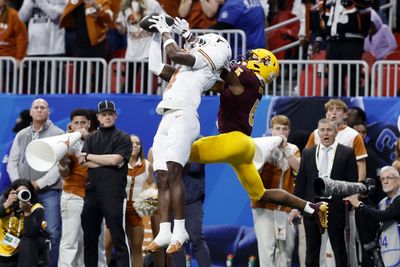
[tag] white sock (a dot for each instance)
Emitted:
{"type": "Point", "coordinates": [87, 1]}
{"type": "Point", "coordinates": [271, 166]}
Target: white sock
{"type": "Point", "coordinates": [165, 227]}
{"type": "Point", "coordinates": [179, 226]}
{"type": "Point", "coordinates": [308, 208]}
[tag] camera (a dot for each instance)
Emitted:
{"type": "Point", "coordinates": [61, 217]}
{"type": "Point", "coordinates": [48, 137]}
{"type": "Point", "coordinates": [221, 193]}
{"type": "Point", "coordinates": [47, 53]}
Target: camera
{"type": "Point", "coordinates": [325, 187]}
{"type": "Point", "coordinates": [24, 195]}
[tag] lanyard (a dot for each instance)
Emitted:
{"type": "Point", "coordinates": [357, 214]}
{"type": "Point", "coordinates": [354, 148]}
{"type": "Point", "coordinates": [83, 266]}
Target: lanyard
{"type": "Point", "coordinates": [19, 225]}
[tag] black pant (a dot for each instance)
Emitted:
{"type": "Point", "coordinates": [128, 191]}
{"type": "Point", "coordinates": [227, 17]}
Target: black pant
{"type": "Point", "coordinates": [345, 50]}
{"type": "Point", "coordinates": [336, 227]}
{"type": "Point", "coordinates": [112, 208]}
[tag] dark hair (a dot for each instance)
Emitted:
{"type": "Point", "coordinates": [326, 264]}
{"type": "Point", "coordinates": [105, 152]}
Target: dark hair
{"type": "Point", "coordinates": [94, 123]}
{"type": "Point", "coordinates": [25, 121]}
{"type": "Point", "coordinates": [141, 152]}
{"type": "Point", "coordinates": [359, 122]}
{"type": "Point", "coordinates": [80, 112]}
{"type": "Point", "coordinates": [360, 114]}
{"type": "Point", "coordinates": [25, 182]}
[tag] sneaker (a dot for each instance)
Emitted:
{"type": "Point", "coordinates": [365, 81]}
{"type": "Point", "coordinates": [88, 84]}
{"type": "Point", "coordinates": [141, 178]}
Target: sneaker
{"type": "Point", "coordinates": [321, 214]}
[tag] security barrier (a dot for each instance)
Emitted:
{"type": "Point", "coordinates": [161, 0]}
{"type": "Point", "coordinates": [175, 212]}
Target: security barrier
{"type": "Point", "coordinates": [94, 75]}
{"type": "Point", "coordinates": [321, 78]}
{"type": "Point", "coordinates": [62, 75]}
{"type": "Point", "coordinates": [385, 79]}
{"type": "Point", "coordinates": [8, 75]}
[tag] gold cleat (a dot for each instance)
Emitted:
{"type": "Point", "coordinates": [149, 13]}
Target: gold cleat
{"type": "Point", "coordinates": [152, 247]}
{"type": "Point", "coordinates": [320, 214]}
{"type": "Point", "coordinates": [174, 247]}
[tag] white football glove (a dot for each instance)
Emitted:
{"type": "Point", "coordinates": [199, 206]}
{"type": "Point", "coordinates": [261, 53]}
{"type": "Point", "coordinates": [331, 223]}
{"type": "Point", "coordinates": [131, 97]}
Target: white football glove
{"type": "Point", "coordinates": [160, 24]}
{"type": "Point", "coordinates": [181, 27]}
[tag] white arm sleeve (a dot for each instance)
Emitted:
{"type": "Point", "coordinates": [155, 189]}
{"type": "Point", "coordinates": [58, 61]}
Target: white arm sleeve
{"type": "Point", "coordinates": [50, 178]}
{"type": "Point", "coordinates": [53, 10]}
{"type": "Point", "coordinates": [155, 58]}
{"type": "Point", "coordinates": [13, 159]}
{"type": "Point", "coordinates": [25, 11]}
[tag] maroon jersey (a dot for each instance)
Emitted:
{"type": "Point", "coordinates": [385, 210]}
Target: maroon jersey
{"type": "Point", "coordinates": [236, 112]}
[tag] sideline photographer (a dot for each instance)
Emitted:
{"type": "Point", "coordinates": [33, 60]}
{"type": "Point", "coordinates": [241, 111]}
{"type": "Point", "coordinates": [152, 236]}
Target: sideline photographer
{"type": "Point", "coordinates": [387, 214]}
{"type": "Point", "coordinates": [22, 238]}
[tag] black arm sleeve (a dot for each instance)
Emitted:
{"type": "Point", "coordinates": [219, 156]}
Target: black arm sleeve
{"type": "Point", "coordinates": [389, 214]}
{"type": "Point", "coordinates": [33, 223]}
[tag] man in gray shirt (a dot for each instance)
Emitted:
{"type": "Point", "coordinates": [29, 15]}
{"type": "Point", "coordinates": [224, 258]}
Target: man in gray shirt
{"type": "Point", "coordinates": [48, 184]}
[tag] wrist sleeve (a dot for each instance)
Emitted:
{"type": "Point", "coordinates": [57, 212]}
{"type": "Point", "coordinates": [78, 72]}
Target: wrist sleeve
{"type": "Point", "coordinates": [155, 58]}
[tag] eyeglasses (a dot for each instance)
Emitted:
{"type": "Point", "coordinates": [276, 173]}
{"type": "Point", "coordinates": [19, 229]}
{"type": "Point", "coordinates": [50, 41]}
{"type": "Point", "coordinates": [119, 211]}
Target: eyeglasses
{"type": "Point", "coordinates": [389, 178]}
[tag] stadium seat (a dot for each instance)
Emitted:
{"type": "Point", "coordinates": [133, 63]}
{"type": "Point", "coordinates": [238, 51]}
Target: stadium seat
{"type": "Point", "coordinates": [394, 55]}
{"type": "Point", "coordinates": [369, 58]}
{"type": "Point", "coordinates": [306, 76]}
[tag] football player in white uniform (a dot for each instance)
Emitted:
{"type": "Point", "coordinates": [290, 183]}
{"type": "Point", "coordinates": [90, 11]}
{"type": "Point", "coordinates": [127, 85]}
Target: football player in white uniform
{"type": "Point", "coordinates": [200, 63]}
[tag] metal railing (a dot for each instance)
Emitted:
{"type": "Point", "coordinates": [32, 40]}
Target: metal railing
{"type": "Point", "coordinates": [385, 78]}
{"type": "Point", "coordinates": [62, 75]}
{"type": "Point", "coordinates": [132, 76]}
{"type": "Point", "coordinates": [8, 75]}
{"type": "Point", "coordinates": [321, 78]}
{"type": "Point", "coordinates": [296, 77]}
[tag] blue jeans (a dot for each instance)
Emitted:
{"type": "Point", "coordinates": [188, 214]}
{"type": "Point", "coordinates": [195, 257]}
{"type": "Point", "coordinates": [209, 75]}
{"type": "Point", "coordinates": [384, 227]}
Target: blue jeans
{"type": "Point", "coordinates": [50, 199]}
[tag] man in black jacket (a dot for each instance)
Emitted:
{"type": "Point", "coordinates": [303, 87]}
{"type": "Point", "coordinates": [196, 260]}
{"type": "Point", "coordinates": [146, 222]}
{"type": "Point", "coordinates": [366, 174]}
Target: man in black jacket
{"type": "Point", "coordinates": [106, 154]}
{"type": "Point", "coordinates": [339, 163]}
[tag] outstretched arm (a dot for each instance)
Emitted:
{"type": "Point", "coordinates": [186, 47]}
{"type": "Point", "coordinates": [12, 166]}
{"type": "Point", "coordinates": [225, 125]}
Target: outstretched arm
{"type": "Point", "coordinates": [155, 60]}
{"type": "Point", "coordinates": [175, 53]}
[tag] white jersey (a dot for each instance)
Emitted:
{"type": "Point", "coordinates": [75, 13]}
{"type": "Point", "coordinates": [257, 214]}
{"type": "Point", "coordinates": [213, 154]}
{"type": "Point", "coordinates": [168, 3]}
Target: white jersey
{"type": "Point", "coordinates": [187, 85]}
{"type": "Point", "coordinates": [389, 239]}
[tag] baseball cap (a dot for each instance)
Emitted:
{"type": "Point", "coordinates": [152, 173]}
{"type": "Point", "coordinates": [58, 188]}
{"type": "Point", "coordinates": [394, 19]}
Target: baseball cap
{"type": "Point", "coordinates": [106, 105]}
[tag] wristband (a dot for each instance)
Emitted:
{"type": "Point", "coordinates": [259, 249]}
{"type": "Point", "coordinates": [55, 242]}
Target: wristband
{"type": "Point", "coordinates": [86, 157]}
{"type": "Point", "coordinates": [167, 42]}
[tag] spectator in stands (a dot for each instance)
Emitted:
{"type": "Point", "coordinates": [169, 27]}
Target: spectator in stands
{"type": "Point", "coordinates": [200, 14]}
{"type": "Point", "coordinates": [331, 160]}
{"type": "Point", "coordinates": [47, 184]}
{"type": "Point", "coordinates": [380, 40]}
{"type": "Point", "coordinates": [46, 38]}
{"type": "Point", "coordinates": [74, 183]}
{"type": "Point", "coordinates": [91, 20]}
{"type": "Point", "coordinates": [13, 34]}
{"type": "Point", "coordinates": [171, 7]}
{"type": "Point", "coordinates": [247, 16]}
{"type": "Point", "coordinates": [194, 183]}
{"type": "Point", "coordinates": [129, 16]}
{"type": "Point", "coordinates": [388, 214]}
{"type": "Point", "coordinates": [344, 25]}
{"type": "Point", "coordinates": [275, 249]}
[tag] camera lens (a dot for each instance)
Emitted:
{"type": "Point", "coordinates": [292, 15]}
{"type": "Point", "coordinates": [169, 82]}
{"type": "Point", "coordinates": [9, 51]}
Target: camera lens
{"type": "Point", "coordinates": [24, 195]}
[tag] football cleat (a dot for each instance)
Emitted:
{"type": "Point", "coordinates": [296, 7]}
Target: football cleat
{"type": "Point", "coordinates": [320, 214]}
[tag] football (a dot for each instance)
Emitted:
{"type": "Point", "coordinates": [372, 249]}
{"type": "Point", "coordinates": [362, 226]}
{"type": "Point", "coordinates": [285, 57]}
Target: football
{"type": "Point", "coordinates": [145, 23]}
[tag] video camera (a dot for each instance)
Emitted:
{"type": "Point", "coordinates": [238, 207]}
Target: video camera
{"type": "Point", "coordinates": [325, 187]}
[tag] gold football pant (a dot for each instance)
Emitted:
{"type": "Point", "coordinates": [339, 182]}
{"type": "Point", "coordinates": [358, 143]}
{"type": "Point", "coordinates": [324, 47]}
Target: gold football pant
{"type": "Point", "coordinates": [234, 148]}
